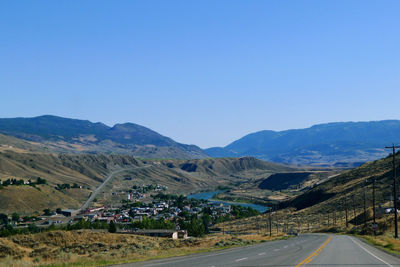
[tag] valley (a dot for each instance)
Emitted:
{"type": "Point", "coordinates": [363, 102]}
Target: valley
{"type": "Point", "coordinates": [45, 177]}
{"type": "Point", "coordinates": [89, 171]}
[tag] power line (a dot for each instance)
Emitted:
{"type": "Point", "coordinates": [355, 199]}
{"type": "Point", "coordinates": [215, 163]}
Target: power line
{"type": "Point", "coordinates": [393, 147]}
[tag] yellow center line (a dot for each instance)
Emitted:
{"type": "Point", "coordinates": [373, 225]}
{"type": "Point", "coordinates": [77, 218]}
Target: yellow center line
{"type": "Point", "coordinates": [315, 253]}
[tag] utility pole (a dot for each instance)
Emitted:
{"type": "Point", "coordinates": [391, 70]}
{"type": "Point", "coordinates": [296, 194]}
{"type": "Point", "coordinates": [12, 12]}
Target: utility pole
{"type": "Point", "coordinates": [373, 204]}
{"type": "Point", "coordinates": [354, 207]}
{"type": "Point", "coordinates": [365, 207]}
{"type": "Point", "coordinates": [393, 147]}
{"type": "Point", "coordinates": [334, 217]}
{"type": "Point", "coordinates": [299, 226]}
{"type": "Point", "coordinates": [270, 223]}
{"type": "Point", "coordinates": [345, 206]}
{"type": "Point", "coordinates": [319, 220]}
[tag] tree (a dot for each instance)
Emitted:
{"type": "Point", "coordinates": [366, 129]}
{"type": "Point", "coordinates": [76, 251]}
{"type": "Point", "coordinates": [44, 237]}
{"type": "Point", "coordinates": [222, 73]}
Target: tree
{"type": "Point", "coordinates": [112, 228]}
{"type": "Point", "coordinates": [58, 210]}
{"type": "Point", "coordinates": [46, 212]}
{"type": "Point", "coordinates": [206, 219]}
{"type": "Point", "coordinates": [3, 218]}
{"type": "Point", "coordinates": [195, 228]}
{"type": "Point", "coordinates": [15, 217]}
{"type": "Point", "coordinates": [41, 181]}
{"type": "Point", "coordinates": [32, 228]}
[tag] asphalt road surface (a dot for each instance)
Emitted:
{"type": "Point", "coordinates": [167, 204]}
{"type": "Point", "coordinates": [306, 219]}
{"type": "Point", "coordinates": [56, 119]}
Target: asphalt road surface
{"type": "Point", "coordinates": [304, 250]}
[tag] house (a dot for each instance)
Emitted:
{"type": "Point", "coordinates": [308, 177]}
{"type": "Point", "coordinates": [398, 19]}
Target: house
{"type": "Point", "coordinates": [69, 212]}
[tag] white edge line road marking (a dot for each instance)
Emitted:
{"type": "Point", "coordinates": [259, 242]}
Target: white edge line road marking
{"type": "Point", "coordinates": [242, 259]}
{"type": "Point", "coordinates": [178, 259]}
{"type": "Point", "coordinates": [263, 253]}
{"type": "Point", "coordinates": [370, 252]}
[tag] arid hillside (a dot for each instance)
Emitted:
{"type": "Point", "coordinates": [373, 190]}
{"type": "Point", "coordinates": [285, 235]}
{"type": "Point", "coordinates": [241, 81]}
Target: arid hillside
{"type": "Point", "coordinates": [324, 206]}
{"type": "Point", "coordinates": [85, 172]}
{"type": "Point", "coordinates": [64, 135]}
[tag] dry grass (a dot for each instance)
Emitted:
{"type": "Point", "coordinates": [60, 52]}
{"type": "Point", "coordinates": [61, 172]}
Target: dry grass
{"type": "Point", "coordinates": [386, 242]}
{"type": "Point", "coordinates": [87, 248]}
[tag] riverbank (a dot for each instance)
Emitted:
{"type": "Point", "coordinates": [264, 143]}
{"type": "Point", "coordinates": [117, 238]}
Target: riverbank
{"type": "Point", "coordinates": [210, 196]}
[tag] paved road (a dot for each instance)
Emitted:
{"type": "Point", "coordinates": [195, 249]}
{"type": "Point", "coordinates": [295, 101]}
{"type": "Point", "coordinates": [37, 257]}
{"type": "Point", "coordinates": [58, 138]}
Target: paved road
{"type": "Point", "coordinates": [304, 250]}
{"type": "Point", "coordinates": [108, 178]}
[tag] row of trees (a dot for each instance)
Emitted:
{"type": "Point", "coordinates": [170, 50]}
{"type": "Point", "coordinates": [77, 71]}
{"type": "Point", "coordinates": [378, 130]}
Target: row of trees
{"type": "Point", "coordinates": [8, 229]}
{"type": "Point", "coordinates": [66, 186]}
{"type": "Point", "coordinates": [15, 182]}
{"type": "Point", "coordinates": [195, 225]}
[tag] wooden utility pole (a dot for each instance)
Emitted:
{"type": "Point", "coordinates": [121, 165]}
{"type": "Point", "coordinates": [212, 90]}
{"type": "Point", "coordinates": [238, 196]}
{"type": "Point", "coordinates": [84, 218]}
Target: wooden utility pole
{"type": "Point", "coordinates": [373, 204]}
{"type": "Point", "coordinates": [365, 206]}
{"type": "Point", "coordinates": [393, 147]}
{"type": "Point", "coordinates": [319, 220]}
{"type": "Point", "coordinates": [354, 207]}
{"type": "Point", "coordinates": [270, 223]}
{"type": "Point", "coordinates": [345, 206]}
{"type": "Point", "coordinates": [334, 217]}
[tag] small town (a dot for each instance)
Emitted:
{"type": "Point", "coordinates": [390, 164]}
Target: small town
{"type": "Point", "coordinates": [145, 210]}
{"type": "Point", "coordinates": [199, 133]}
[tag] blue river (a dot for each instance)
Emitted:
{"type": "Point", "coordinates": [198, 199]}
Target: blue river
{"type": "Point", "coordinates": [209, 195]}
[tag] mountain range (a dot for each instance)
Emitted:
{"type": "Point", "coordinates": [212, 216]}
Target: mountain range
{"type": "Point", "coordinates": [340, 144]}
{"type": "Point", "coordinates": [57, 134]}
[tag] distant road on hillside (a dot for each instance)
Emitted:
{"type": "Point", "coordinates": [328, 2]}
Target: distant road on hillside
{"type": "Point", "coordinates": [108, 179]}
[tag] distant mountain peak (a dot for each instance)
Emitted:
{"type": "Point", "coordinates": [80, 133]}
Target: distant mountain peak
{"type": "Point", "coordinates": [125, 138]}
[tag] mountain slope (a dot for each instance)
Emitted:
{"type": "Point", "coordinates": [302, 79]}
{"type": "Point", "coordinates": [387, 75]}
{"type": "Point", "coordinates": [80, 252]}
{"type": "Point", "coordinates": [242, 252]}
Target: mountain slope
{"type": "Point", "coordinates": [332, 144]}
{"type": "Point", "coordinates": [88, 171]}
{"type": "Point", "coordinates": [70, 135]}
{"type": "Point", "coordinates": [330, 194]}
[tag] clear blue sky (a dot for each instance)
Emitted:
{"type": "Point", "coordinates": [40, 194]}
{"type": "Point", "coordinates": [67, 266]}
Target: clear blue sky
{"type": "Point", "coordinates": [201, 72]}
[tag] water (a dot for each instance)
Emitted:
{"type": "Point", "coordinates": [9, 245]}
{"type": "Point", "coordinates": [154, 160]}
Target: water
{"type": "Point", "coordinates": [209, 195]}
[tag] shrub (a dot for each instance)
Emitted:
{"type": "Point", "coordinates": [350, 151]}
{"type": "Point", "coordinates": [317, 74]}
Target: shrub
{"type": "Point", "coordinates": [112, 228]}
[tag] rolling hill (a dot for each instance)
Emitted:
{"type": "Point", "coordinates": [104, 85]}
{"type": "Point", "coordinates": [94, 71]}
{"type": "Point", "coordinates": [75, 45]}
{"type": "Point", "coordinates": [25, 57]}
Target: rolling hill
{"type": "Point", "coordinates": [57, 134]}
{"type": "Point", "coordinates": [89, 171]}
{"type": "Point", "coordinates": [341, 144]}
